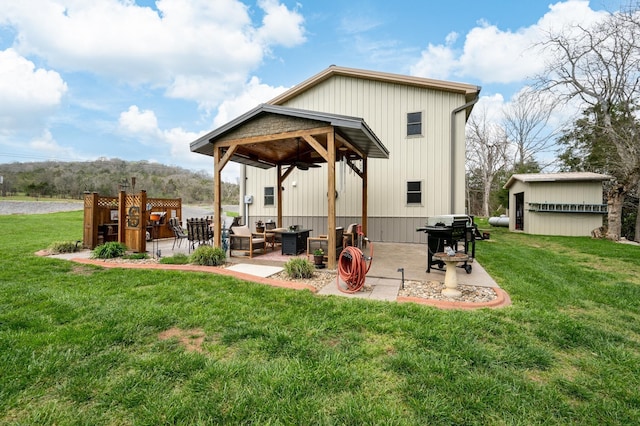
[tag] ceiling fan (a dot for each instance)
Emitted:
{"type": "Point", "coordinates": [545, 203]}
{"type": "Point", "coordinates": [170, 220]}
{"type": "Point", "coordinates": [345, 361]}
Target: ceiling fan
{"type": "Point", "coordinates": [302, 165]}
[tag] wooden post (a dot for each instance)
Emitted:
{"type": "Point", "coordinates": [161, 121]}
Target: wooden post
{"type": "Point", "coordinates": [90, 233]}
{"type": "Point", "coordinates": [331, 214]}
{"type": "Point", "coordinates": [217, 194]}
{"type": "Point", "coordinates": [122, 215]}
{"type": "Point", "coordinates": [142, 234]}
{"type": "Point", "coordinates": [279, 200]}
{"type": "Point", "coordinates": [365, 198]}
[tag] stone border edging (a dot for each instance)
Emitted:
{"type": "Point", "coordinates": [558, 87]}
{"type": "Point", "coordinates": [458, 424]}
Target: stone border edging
{"type": "Point", "coordinates": [500, 301]}
{"type": "Point", "coordinates": [199, 268]}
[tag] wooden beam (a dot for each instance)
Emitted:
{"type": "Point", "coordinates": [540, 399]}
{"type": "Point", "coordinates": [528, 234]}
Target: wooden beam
{"type": "Point", "coordinates": [316, 145]}
{"type": "Point", "coordinates": [227, 156]}
{"type": "Point", "coordinates": [331, 214]}
{"type": "Point", "coordinates": [217, 194]}
{"type": "Point", "coordinates": [353, 167]}
{"type": "Point", "coordinates": [287, 172]}
{"type": "Point", "coordinates": [365, 198]}
{"type": "Point", "coordinates": [280, 180]}
{"type": "Point", "coordinates": [274, 137]}
{"type": "Point", "coordinates": [349, 145]}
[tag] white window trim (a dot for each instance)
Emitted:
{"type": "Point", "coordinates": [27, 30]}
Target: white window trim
{"type": "Point", "coordinates": [406, 127]}
{"type": "Point", "coordinates": [264, 196]}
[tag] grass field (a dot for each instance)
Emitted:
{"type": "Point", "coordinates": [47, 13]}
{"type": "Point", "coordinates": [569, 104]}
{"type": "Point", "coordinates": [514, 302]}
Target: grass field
{"type": "Point", "coordinates": [84, 345]}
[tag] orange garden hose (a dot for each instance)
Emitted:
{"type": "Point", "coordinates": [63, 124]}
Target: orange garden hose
{"type": "Point", "coordinates": [352, 268]}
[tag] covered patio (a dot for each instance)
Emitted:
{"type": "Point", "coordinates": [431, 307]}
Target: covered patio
{"type": "Point", "coordinates": [271, 136]}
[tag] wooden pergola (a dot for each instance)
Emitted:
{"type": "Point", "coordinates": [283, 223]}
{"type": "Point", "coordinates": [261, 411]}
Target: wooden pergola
{"type": "Point", "coordinates": [287, 138]}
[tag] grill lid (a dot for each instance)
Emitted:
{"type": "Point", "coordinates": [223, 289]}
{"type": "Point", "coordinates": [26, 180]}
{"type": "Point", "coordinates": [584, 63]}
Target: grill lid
{"type": "Point", "coordinates": [449, 220]}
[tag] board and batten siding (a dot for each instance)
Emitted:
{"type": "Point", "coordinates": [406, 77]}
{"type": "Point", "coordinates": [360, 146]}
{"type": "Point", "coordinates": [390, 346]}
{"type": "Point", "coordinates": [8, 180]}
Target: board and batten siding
{"type": "Point", "coordinates": [426, 158]}
{"type": "Point", "coordinates": [565, 224]}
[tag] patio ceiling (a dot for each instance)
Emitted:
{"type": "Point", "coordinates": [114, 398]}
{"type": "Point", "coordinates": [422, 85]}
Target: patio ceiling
{"type": "Point", "coordinates": [271, 135]}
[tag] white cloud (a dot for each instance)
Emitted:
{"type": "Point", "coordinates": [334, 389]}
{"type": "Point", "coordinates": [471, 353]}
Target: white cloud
{"type": "Point", "coordinates": [170, 146]}
{"type": "Point", "coordinates": [45, 146]}
{"type": "Point", "coordinates": [492, 55]}
{"type": "Point", "coordinates": [254, 94]}
{"type": "Point", "coordinates": [199, 50]}
{"type": "Point", "coordinates": [280, 25]}
{"type": "Point", "coordinates": [28, 93]}
{"type": "Point", "coordinates": [138, 122]}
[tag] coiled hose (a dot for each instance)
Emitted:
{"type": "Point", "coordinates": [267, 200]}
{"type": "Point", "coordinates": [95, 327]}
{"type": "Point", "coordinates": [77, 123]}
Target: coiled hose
{"type": "Point", "coordinates": [352, 268]}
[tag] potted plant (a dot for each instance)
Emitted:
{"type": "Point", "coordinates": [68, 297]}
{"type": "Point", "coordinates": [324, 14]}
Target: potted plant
{"type": "Point", "coordinates": [318, 257]}
{"type": "Point", "coordinates": [259, 227]}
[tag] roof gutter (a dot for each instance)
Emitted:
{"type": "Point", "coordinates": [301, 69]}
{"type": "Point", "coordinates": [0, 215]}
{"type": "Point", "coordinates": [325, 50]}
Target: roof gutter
{"type": "Point", "coordinates": [452, 147]}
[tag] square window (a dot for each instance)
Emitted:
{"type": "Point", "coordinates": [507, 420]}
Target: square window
{"type": "Point", "coordinates": [414, 123]}
{"type": "Point", "coordinates": [414, 192]}
{"type": "Point", "coordinates": [269, 196]}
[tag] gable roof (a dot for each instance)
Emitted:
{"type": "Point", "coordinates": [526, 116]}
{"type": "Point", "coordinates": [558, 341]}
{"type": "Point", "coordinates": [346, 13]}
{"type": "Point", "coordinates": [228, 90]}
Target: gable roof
{"type": "Point", "coordinates": [470, 91]}
{"type": "Point", "coordinates": [354, 129]}
{"type": "Point", "coordinates": [555, 177]}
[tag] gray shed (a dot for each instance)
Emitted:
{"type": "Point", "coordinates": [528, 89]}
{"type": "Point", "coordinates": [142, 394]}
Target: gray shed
{"type": "Point", "coordinates": [568, 204]}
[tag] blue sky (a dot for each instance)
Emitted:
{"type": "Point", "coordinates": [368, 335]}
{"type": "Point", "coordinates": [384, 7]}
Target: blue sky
{"type": "Point", "coordinates": [140, 80]}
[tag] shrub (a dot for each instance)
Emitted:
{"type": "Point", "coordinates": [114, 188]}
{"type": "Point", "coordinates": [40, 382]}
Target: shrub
{"type": "Point", "coordinates": [136, 256]}
{"type": "Point", "coordinates": [58, 247]}
{"type": "Point", "coordinates": [176, 259]}
{"type": "Point", "coordinates": [208, 256]}
{"type": "Point", "coordinates": [299, 268]}
{"type": "Point", "coordinates": [109, 250]}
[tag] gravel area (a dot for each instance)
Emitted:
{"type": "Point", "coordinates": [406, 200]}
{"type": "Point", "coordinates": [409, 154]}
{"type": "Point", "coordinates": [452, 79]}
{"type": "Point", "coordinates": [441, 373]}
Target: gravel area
{"type": "Point", "coordinates": [38, 207]}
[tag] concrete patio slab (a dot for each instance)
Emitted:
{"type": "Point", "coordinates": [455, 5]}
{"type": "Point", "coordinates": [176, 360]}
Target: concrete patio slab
{"type": "Point", "coordinates": [256, 270]}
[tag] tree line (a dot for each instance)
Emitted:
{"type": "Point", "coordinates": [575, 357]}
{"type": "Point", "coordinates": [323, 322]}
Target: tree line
{"type": "Point", "coordinates": [595, 74]}
{"type": "Point", "coordinates": [108, 177]}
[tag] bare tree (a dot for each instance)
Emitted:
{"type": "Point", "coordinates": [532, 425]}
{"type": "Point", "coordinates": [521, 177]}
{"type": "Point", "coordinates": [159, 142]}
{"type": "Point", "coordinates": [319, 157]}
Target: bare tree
{"type": "Point", "coordinates": [487, 149]}
{"type": "Point", "coordinates": [525, 122]}
{"type": "Point", "coordinates": [600, 65]}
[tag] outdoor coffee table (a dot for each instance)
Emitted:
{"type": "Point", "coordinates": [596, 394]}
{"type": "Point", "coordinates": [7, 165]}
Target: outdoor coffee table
{"type": "Point", "coordinates": [451, 275]}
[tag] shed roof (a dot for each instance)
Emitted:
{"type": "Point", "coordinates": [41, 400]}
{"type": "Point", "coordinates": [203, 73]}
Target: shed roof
{"type": "Point", "coordinates": [555, 177]}
{"type": "Point", "coordinates": [354, 129]}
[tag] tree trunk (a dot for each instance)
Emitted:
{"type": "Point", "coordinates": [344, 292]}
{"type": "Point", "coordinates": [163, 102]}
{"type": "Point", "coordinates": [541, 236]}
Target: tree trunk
{"type": "Point", "coordinates": [615, 199]}
{"type": "Point", "coordinates": [636, 232]}
{"type": "Point", "coordinates": [485, 197]}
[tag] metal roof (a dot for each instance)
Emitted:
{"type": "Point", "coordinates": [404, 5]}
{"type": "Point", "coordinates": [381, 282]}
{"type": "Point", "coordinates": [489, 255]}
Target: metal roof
{"type": "Point", "coordinates": [556, 177]}
{"type": "Point", "coordinates": [354, 129]}
{"type": "Point", "coordinates": [470, 91]}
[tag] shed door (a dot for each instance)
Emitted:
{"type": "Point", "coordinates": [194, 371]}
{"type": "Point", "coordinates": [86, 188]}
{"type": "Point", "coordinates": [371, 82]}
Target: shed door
{"type": "Point", "coordinates": [520, 211]}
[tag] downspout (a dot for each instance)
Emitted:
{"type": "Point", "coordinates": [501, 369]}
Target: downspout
{"type": "Point", "coordinates": [243, 208]}
{"type": "Point", "coordinates": [452, 146]}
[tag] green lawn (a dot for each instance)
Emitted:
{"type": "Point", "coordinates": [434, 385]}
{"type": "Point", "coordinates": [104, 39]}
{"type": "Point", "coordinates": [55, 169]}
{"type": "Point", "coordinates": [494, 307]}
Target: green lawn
{"type": "Point", "coordinates": [80, 344]}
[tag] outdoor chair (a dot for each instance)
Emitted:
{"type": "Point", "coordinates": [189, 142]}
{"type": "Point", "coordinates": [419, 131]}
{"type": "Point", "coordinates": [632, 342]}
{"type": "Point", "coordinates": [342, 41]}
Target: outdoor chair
{"type": "Point", "coordinates": [322, 242]}
{"type": "Point", "coordinates": [242, 239]}
{"type": "Point", "coordinates": [351, 235]}
{"type": "Point", "coordinates": [198, 231]}
{"type": "Point", "coordinates": [178, 232]}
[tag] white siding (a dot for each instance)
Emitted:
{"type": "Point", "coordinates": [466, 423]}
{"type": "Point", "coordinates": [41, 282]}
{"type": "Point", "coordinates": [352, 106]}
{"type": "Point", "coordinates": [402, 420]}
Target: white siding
{"type": "Point", "coordinates": [567, 224]}
{"type": "Point", "coordinates": [426, 158]}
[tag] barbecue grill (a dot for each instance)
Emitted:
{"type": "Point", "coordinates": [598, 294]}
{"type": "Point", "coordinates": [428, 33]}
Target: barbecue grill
{"type": "Point", "coordinates": [453, 230]}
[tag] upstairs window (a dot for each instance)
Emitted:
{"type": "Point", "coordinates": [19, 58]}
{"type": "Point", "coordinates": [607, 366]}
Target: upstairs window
{"type": "Point", "coordinates": [414, 192]}
{"type": "Point", "coordinates": [269, 196]}
{"type": "Point", "coordinates": [414, 123]}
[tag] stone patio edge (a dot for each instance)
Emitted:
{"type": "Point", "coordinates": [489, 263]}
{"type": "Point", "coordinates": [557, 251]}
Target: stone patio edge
{"type": "Point", "coordinates": [500, 301]}
{"type": "Point", "coordinates": [199, 268]}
